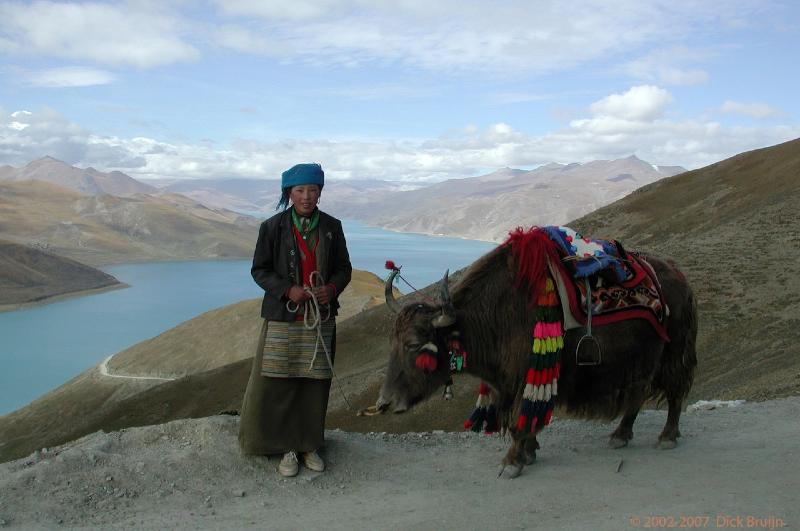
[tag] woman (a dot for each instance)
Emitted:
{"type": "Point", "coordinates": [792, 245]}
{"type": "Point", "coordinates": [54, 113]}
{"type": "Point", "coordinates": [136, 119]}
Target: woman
{"type": "Point", "coordinates": [301, 261]}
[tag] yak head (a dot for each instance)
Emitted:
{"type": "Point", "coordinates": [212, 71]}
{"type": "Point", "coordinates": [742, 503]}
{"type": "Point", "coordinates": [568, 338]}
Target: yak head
{"type": "Point", "coordinates": [419, 361]}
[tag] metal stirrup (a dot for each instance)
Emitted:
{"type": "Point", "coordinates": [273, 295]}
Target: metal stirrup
{"type": "Point", "coordinates": [588, 338]}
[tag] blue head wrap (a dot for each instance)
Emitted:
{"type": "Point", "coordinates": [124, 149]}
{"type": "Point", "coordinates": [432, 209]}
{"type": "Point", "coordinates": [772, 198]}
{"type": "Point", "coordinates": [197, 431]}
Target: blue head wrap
{"type": "Point", "coordinates": [308, 173]}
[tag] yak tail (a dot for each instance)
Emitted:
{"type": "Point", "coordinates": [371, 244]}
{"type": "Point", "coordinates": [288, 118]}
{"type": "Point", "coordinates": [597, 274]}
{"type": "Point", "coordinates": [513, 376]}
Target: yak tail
{"type": "Point", "coordinates": [680, 356]}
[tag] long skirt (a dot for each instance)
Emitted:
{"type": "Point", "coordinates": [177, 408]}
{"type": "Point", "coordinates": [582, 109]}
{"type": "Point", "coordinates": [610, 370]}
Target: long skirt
{"type": "Point", "coordinates": [282, 414]}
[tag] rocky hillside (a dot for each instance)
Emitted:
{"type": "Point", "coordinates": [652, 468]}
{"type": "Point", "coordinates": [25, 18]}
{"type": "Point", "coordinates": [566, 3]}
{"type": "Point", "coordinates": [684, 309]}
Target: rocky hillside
{"type": "Point", "coordinates": [102, 229]}
{"type": "Point", "coordinates": [29, 275]}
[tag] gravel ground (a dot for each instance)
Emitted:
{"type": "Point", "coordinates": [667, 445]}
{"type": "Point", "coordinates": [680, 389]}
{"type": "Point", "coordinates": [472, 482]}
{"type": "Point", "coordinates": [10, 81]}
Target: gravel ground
{"type": "Point", "coordinates": [737, 465]}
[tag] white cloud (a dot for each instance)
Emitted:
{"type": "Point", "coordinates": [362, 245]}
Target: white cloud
{"type": "Point", "coordinates": [295, 10]}
{"type": "Point", "coordinates": [753, 110]}
{"type": "Point", "coordinates": [675, 66]}
{"type": "Point", "coordinates": [69, 76]}
{"type": "Point", "coordinates": [691, 143]}
{"type": "Point", "coordinates": [25, 136]}
{"type": "Point", "coordinates": [139, 34]}
{"type": "Point", "coordinates": [512, 37]}
{"type": "Point", "coordinates": [641, 103]}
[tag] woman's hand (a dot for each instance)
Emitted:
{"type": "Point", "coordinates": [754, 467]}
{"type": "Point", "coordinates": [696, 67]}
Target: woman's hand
{"type": "Point", "coordinates": [322, 293]}
{"type": "Point", "coordinates": [298, 295]}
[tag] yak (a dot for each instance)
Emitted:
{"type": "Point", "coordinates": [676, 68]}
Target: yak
{"type": "Point", "coordinates": [492, 310]}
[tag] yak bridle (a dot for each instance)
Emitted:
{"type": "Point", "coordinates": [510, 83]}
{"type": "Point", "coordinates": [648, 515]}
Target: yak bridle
{"type": "Point", "coordinates": [427, 358]}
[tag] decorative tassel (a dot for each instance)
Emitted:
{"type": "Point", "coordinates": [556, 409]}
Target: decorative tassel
{"type": "Point", "coordinates": [426, 362]}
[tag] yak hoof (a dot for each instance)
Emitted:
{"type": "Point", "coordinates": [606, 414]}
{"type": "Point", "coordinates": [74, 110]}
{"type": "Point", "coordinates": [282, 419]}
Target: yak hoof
{"type": "Point", "coordinates": [616, 443]}
{"type": "Point", "coordinates": [667, 444]}
{"type": "Point", "coordinates": [512, 471]}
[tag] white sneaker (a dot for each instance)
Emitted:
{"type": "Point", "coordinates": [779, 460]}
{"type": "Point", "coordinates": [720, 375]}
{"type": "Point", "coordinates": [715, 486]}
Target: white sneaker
{"type": "Point", "coordinates": [288, 467]}
{"type": "Point", "coordinates": [313, 461]}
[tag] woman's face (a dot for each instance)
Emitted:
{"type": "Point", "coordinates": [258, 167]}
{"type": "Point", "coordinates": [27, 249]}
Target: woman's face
{"type": "Point", "coordinates": [305, 197]}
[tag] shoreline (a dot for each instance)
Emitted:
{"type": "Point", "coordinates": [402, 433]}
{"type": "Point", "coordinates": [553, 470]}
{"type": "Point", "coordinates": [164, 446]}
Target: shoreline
{"type": "Point", "coordinates": [431, 234]}
{"type": "Point", "coordinates": [60, 297]}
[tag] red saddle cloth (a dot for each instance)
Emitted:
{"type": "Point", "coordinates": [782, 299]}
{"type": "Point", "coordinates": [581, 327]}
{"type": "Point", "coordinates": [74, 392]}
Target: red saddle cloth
{"type": "Point", "coordinates": [637, 297]}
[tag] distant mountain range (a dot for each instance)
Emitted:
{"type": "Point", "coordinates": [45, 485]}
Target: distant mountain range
{"type": "Point", "coordinates": [487, 207]}
{"type": "Point", "coordinates": [84, 181]}
{"type": "Point", "coordinates": [102, 218]}
{"type": "Point", "coordinates": [484, 207]}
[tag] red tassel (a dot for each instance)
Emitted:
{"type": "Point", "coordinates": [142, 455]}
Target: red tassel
{"type": "Point", "coordinates": [523, 420]}
{"type": "Point", "coordinates": [390, 265]}
{"type": "Point", "coordinates": [558, 369]}
{"type": "Point", "coordinates": [529, 377]}
{"type": "Point", "coordinates": [548, 417]}
{"type": "Point", "coordinates": [534, 421]}
{"type": "Point", "coordinates": [468, 424]}
{"type": "Point", "coordinates": [483, 389]}
{"type": "Point", "coordinates": [426, 362]}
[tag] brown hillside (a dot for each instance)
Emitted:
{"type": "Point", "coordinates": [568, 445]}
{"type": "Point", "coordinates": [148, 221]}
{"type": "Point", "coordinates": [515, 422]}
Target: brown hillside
{"type": "Point", "coordinates": [29, 275]}
{"type": "Point", "coordinates": [733, 228]}
{"type": "Point", "coordinates": [106, 229]}
{"type": "Point", "coordinates": [224, 335]}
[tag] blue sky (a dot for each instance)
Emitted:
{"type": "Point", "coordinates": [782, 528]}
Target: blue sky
{"type": "Point", "coordinates": [403, 90]}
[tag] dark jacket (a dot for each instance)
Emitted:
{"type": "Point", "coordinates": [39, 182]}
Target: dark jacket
{"type": "Point", "coordinates": [276, 262]}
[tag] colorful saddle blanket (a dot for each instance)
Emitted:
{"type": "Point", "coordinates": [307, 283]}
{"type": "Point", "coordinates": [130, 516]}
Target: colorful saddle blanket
{"type": "Point", "coordinates": [631, 290]}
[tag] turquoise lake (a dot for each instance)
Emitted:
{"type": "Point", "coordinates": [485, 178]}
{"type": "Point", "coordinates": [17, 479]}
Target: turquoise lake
{"type": "Point", "coordinates": [43, 347]}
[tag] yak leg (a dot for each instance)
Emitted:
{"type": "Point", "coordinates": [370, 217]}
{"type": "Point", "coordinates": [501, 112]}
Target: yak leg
{"type": "Point", "coordinates": [669, 435]}
{"type": "Point", "coordinates": [624, 432]}
{"type": "Point", "coordinates": [531, 445]}
{"type": "Point", "coordinates": [516, 458]}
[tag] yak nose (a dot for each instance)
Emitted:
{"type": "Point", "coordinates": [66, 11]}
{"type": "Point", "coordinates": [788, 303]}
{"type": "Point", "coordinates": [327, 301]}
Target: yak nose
{"type": "Point", "coordinates": [397, 406]}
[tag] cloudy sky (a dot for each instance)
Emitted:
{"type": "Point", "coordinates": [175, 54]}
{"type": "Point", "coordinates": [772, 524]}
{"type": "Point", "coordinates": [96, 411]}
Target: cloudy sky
{"type": "Point", "coordinates": [401, 89]}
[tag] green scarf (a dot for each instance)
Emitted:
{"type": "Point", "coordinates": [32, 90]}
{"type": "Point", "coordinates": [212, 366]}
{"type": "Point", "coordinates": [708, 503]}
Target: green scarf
{"type": "Point", "coordinates": [305, 226]}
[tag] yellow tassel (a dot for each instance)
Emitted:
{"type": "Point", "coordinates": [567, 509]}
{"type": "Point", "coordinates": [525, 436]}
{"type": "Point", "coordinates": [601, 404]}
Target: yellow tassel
{"type": "Point", "coordinates": [537, 346]}
{"type": "Point", "coordinates": [560, 342]}
{"type": "Point", "coordinates": [548, 286]}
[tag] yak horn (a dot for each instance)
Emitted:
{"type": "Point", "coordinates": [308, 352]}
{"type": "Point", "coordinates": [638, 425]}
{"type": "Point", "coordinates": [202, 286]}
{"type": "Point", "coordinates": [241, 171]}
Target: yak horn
{"type": "Point", "coordinates": [391, 302]}
{"type": "Point", "coordinates": [448, 316]}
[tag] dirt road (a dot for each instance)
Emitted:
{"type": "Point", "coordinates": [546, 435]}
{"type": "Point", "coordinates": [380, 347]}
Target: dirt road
{"type": "Point", "coordinates": [735, 467]}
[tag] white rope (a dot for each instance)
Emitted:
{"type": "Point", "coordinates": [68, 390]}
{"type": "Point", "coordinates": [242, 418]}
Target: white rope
{"type": "Point", "coordinates": [312, 319]}
{"type": "Point", "coordinates": [312, 306]}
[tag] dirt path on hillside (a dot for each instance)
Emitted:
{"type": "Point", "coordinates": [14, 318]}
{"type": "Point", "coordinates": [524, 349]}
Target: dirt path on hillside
{"type": "Point", "coordinates": [103, 369]}
{"type": "Point", "coordinates": [734, 466]}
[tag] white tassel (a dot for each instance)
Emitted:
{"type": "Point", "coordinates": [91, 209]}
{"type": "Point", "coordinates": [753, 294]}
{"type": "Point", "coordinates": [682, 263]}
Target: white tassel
{"type": "Point", "coordinates": [528, 392]}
